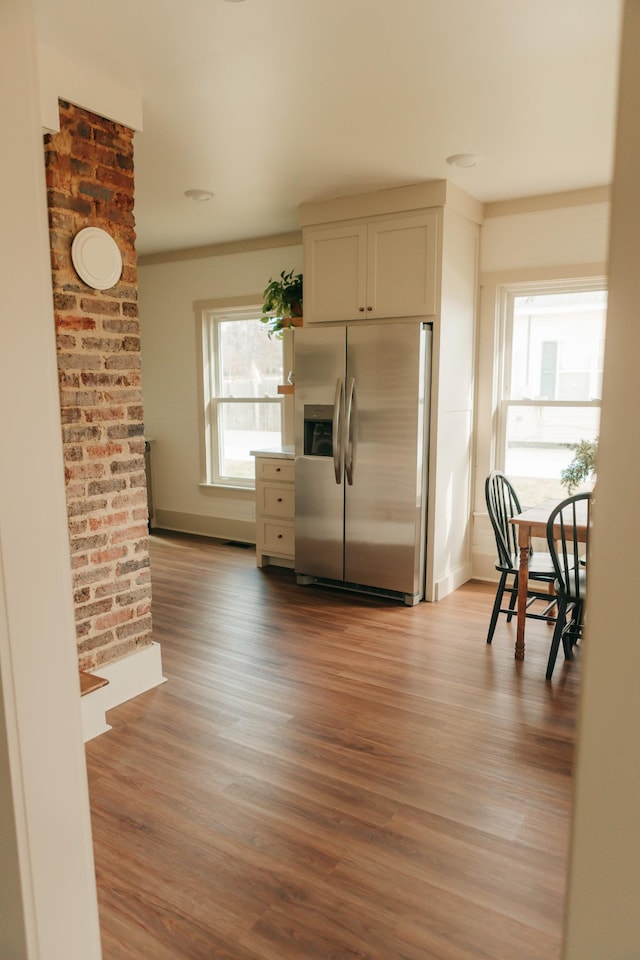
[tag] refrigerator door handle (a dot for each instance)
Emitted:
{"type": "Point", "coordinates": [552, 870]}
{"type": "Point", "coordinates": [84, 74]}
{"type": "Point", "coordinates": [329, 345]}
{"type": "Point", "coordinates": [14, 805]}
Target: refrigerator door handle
{"type": "Point", "coordinates": [338, 448]}
{"type": "Point", "coordinates": [348, 433]}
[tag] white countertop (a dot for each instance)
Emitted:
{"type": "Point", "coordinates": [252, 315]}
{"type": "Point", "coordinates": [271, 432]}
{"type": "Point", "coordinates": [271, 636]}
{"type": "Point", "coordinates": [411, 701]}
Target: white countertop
{"type": "Point", "coordinates": [280, 453]}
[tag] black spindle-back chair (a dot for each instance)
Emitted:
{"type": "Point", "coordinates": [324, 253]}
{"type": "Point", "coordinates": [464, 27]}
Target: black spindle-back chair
{"type": "Point", "coordinates": [502, 504]}
{"type": "Point", "coordinates": [569, 547]}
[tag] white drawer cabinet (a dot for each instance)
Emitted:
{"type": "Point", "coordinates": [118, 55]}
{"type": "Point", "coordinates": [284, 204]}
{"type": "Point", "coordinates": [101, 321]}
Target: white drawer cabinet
{"type": "Point", "coordinates": [275, 532]}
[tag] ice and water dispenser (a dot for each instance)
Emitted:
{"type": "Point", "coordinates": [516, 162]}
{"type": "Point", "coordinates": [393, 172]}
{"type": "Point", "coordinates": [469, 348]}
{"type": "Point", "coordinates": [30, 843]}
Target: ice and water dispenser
{"type": "Point", "coordinates": [318, 429]}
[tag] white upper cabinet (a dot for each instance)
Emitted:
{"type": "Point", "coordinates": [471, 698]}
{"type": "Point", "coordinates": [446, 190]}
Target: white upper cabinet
{"type": "Point", "coordinates": [371, 269]}
{"type": "Point", "coordinates": [335, 272]}
{"type": "Point", "coordinates": [402, 260]}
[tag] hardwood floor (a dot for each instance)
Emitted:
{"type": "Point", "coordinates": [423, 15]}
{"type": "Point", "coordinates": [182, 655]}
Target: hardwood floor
{"type": "Point", "coordinates": [326, 775]}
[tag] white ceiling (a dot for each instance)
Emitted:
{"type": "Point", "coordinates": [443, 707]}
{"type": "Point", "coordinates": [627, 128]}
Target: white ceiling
{"type": "Point", "coordinates": [271, 103]}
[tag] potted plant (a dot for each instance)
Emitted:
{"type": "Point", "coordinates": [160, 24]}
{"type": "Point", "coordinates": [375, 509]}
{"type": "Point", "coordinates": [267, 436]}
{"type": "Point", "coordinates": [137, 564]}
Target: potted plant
{"type": "Point", "coordinates": [282, 301]}
{"type": "Point", "coordinates": [583, 465]}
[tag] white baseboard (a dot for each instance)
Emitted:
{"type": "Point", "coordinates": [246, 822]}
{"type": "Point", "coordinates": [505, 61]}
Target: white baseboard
{"type": "Point", "coordinates": [220, 528]}
{"type": "Point", "coordinates": [128, 678]}
{"type": "Point", "coordinates": [93, 710]}
{"type": "Point", "coordinates": [484, 567]}
{"type": "Point", "coordinates": [453, 579]}
{"type": "Point", "coordinates": [269, 561]}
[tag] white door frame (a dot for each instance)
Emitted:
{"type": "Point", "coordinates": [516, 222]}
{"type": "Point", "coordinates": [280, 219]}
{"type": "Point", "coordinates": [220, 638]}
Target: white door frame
{"type": "Point", "coordinates": [48, 905]}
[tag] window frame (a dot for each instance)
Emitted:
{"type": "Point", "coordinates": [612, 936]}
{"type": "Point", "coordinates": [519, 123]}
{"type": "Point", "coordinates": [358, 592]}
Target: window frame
{"type": "Point", "coordinates": [506, 294]}
{"type": "Point", "coordinates": [211, 314]}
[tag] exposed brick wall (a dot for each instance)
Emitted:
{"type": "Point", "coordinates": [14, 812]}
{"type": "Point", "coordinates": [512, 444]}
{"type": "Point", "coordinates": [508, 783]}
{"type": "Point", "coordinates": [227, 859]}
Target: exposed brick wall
{"type": "Point", "coordinates": [89, 166]}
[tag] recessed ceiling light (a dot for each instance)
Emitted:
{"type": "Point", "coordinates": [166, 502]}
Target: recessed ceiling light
{"type": "Point", "coordinates": [463, 159]}
{"type": "Point", "coordinates": [198, 194]}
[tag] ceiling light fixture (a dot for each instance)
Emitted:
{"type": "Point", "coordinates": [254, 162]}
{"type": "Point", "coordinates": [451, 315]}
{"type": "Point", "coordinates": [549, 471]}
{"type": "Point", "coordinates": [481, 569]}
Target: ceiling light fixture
{"type": "Point", "coordinates": [463, 159]}
{"type": "Point", "coordinates": [198, 194]}
{"type": "Point", "coordinates": [235, 1]}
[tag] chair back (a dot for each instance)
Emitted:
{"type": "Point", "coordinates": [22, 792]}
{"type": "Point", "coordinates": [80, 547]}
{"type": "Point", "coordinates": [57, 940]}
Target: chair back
{"type": "Point", "coordinates": [569, 545]}
{"type": "Point", "coordinates": [502, 504]}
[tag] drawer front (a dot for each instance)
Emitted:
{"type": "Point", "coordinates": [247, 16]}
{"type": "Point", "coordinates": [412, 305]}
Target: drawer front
{"type": "Point", "coordinates": [276, 537]}
{"type": "Point", "coordinates": [267, 469]}
{"type": "Point", "coordinates": [276, 500]}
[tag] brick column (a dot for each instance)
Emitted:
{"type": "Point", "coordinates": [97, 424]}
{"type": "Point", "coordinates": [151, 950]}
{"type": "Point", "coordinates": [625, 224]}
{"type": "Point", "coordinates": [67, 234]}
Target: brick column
{"type": "Point", "coordinates": [89, 166]}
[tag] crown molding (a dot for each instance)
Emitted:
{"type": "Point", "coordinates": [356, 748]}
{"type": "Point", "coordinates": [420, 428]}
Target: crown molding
{"type": "Point", "coordinates": [292, 239]}
{"type": "Point", "coordinates": [547, 201]}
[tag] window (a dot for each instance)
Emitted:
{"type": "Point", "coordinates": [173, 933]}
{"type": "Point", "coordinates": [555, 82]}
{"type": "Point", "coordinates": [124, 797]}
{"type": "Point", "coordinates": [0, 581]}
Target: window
{"type": "Point", "coordinates": [243, 412]}
{"type": "Point", "coordinates": [552, 380]}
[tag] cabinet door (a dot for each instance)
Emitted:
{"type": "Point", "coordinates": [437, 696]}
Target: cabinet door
{"type": "Point", "coordinates": [402, 262]}
{"type": "Point", "coordinates": [273, 468]}
{"type": "Point", "coordinates": [275, 539]}
{"type": "Point", "coordinates": [275, 500]}
{"type": "Point", "coordinates": [335, 273]}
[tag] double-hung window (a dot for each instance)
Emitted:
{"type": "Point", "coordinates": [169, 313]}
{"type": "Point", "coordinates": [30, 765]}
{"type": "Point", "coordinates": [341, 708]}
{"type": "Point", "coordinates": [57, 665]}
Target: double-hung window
{"type": "Point", "coordinates": [551, 380]}
{"type": "Point", "coordinates": [242, 368]}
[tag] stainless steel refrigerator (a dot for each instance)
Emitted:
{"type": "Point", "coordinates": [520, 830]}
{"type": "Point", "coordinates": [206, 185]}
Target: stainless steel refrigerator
{"type": "Point", "coordinates": [361, 424]}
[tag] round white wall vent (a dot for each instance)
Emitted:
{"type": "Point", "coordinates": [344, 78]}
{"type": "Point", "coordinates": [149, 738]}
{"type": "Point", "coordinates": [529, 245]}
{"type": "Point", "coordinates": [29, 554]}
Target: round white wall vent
{"type": "Point", "coordinates": [96, 258]}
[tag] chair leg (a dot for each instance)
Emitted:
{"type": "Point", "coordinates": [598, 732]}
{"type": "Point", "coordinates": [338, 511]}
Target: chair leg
{"type": "Point", "coordinates": [497, 603]}
{"type": "Point", "coordinates": [553, 601]}
{"type": "Point", "coordinates": [572, 632]}
{"type": "Point", "coordinates": [557, 636]}
{"type": "Point", "coordinates": [513, 598]}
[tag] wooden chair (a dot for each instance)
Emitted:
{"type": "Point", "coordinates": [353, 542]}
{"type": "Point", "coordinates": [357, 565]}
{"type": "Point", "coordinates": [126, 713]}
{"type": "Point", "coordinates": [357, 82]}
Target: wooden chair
{"type": "Point", "coordinates": [568, 549]}
{"type": "Point", "coordinates": [502, 504]}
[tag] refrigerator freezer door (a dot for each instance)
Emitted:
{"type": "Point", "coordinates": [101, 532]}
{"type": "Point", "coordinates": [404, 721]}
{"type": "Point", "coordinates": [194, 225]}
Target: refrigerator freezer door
{"type": "Point", "coordinates": [384, 505]}
{"type": "Point", "coordinates": [319, 370]}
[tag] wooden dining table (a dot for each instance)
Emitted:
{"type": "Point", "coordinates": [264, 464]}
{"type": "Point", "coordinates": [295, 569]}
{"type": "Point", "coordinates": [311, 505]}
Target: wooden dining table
{"type": "Point", "coordinates": [533, 523]}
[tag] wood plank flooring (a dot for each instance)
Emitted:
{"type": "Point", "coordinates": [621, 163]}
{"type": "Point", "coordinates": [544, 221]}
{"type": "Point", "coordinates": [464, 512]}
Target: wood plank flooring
{"type": "Point", "coordinates": [326, 775]}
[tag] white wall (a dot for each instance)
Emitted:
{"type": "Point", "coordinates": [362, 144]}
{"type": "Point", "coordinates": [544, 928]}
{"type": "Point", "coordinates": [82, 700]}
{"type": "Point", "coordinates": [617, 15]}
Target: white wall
{"type": "Point", "coordinates": [543, 238]}
{"type": "Point", "coordinates": [170, 382]}
{"type": "Point", "coordinates": [48, 907]}
{"type": "Point", "coordinates": [603, 919]}
{"type": "Point", "coordinates": [450, 488]}
{"type": "Point", "coordinates": [565, 242]}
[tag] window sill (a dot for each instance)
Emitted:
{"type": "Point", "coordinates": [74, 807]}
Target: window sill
{"type": "Point", "coordinates": [226, 486]}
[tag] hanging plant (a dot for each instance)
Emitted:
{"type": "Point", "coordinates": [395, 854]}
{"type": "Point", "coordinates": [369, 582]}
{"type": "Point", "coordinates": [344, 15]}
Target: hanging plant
{"type": "Point", "coordinates": [282, 301]}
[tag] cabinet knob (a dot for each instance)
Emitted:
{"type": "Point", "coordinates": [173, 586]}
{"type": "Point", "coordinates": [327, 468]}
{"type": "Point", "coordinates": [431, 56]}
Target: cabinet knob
{"type": "Point", "coordinates": [369, 308]}
{"type": "Point", "coordinates": [361, 309]}
{"type": "Point", "coordinates": [277, 469]}
{"type": "Point", "coordinates": [279, 499]}
{"type": "Point", "coordinates": [279, 536]}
